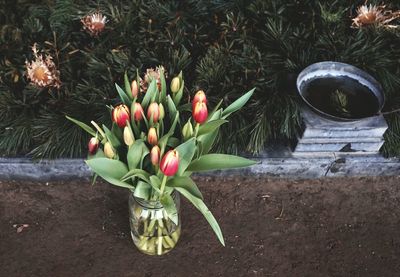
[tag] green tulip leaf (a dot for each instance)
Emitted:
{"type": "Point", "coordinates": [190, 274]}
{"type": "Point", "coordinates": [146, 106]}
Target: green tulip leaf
{"type": "Point", "coordinates": [150, 93]}
{"type": "Point", "coordinates": [99, 154]}
{"type": "Point", "coordinates": [146, 122]}
{"type": "Point", "coordinates": [118, 183]}
{"type": "Point", "coordinates": [238, 104]}
{"type": "Point", "coordinates": [164, 139]}
{"type": "Point", "coordinates": [138, 80]}
{"type": "Point", "coordinates": [111, 137]}
{"type": "Point", "coordinates": [128, 88]}
{"type": "Point", "coordinates": [169, 205]}
{"type": "Point", "coordinates": [207, 141]}
{"type": "Point", "coordinates": [216, 110]}
{"type": "Point", "coordinates": [186, 152]}
{"type": "Point", "coordinates": [186, 183]}
{"type": "Point", "coordinates": [187, 107]}
{"type": "Point", "coordinates": [94, 178]}
{"type": "Point", "coordinates": [117, 131]}
{"type": "Point", "coordinates": [179, 94]}
{"type": "Point", "coordinates": [218, 161]}
{"type": "Point", "coordinates": [173, 126]}
{"type": "Point", "coordinates": [134, 154]}
{"type": "Point", "coordinates": [173, 142]}
{"type": "Point", "coordinates": [110, 170]}
{"type": "Point", "coordinates": [199, 204]}
{"type": "Point", "coordinates": [124, 98]}
{"type": "Point", "coordinates": [142, 190]}
{"type": "Point", "coordinates": [145, 152]}
{"type": "Point", "coordinates": [155, 183]}
{"type": "Point", "coordinates": [171, 107]}
{"type": "Point", "coordinates": [84, 126]}
{"type": "Point", "coordinates": [140, 173]}
{"type": "Point", "coordinates": [210, 126]}
{"type": "Point", "coordinates": [108, 167]}
{"type": "Point", "coordinates": [163, 93]}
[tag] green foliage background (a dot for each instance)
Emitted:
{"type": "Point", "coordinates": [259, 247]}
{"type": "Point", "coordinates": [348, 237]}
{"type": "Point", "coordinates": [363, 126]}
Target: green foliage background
{"type": "Point", "coordinates": [225, 47]}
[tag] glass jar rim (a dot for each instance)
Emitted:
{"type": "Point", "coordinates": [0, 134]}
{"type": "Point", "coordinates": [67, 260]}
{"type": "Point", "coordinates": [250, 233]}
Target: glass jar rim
{"type": "Point", "coordinates": [153, 204]}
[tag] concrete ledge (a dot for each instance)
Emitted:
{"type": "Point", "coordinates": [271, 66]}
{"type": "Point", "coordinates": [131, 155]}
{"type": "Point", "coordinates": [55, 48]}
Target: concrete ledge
{"type": "Point", "coordinates": [271, 164]}
{"type": "Point", "coordinates": [45, 170]}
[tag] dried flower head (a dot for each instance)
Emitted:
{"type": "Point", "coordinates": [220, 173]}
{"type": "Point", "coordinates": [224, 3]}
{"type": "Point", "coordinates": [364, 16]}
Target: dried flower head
{"type": "Point", "coordinates": [151, 74]}
{"type": "Point", "coordinates": [42, 72]}
{"type": "Point", "coordinates": [372, 14]}
{"type": "Point", "coordinates": [94, 23]}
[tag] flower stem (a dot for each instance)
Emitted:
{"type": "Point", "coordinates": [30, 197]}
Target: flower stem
{"type": "Point", "coordinates": [98, 129]}
{"type": "Point", "coordinates": [164, 181]}
{"type": "Point", "coordinates": [196, 129]}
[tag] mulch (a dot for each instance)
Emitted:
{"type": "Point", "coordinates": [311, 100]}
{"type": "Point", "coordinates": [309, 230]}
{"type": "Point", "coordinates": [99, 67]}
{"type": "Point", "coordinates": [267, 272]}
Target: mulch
{"type": "Point", "coordinates": [272, 227]}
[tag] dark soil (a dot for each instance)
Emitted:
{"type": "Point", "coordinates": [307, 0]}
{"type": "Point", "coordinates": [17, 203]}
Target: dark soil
{"type": "Point", "coordinates": [272, 227]}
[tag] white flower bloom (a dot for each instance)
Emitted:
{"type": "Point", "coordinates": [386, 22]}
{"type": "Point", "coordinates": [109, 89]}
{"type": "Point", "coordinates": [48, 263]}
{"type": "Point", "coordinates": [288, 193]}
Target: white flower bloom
{"type": "Point", "coordinates": [94, 23]}
{"type": "Point", "coordinates": [42, 71]}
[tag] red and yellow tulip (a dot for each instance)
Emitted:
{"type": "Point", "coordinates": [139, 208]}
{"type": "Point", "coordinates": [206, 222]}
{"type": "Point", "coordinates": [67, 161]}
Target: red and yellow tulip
{"type": "Point", "coordinates": [153, 111]}
{"type": "Point", "coordinates": [121, 115]}
{"type": "Point", "coordinates": [137, 112]}
{"type": "Point", "coordinates": [155, 155]}
{"type": "Point", "coordinates": [152, 136]}
{"type": "Point", "coordinates": [134, 89]}
{"type": "Point", "coordinates": [170, 163]}
{"type": "Point", "coordinates": [93, 145]}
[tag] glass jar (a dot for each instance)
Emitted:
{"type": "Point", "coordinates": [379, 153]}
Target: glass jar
{"type": "Point", "coordinates": [153, 232]}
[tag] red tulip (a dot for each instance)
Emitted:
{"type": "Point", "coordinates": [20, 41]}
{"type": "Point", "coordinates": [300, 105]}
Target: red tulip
{"type": "Point", "coordinates": [200, 96]}
{"type": "Point", "coordinates": [170, 163]}
{"type": "Point", "coordinates": [93, 145]}
{"type": "Point", "coordinates": [134, 88]}
{"type": "Point", "coordinates": [137, 112]}
{"type": "Point", "coordinates": [154, 110]}
{"type": "Point", "coordinates": [152, 136]}
{"type": "Point", "coordinates": [200, 112]}
{"type": "Point", "coordinates": [121, 115]}
{"type": "Point", "coordinates": [155, 155]}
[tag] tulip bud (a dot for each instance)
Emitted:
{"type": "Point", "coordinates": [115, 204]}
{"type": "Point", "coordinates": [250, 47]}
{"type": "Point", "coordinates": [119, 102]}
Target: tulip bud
{"type": "Point", "coordinates": [170, 163]}
{"type": "Point", "coordinates": [129, 139]}
{"type": "Point", "coordinates": [121, 115]}
{"type": "Point", "coordinates": [161, 110]}
{"type": "Point", "coordinates": [200, 96]}
{"type": "Point", "coordinates": [187, 130]}
{"type": "Point", "coordinates": [152, 136]}
{"type": "Point", "coordinates": [155, 155]}
{"type": "Point", "coordinates": [134, 88]}
{"type": "Point", "coordinates": [109, 150]}
{"type": "Point", "coordinates": [153, 111]}
{"type": "Point", "coordinates": [175, 85]}
{"type": "Point", "coordinates": [93, 145]}
{"type": "Point", "coordinates": [137, 111]}
{"type": "Point", "coordinates": [200, 112]}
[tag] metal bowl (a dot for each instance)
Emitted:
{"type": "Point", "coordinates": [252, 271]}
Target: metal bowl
{"type": "Point", "coordinates": [331, 69]}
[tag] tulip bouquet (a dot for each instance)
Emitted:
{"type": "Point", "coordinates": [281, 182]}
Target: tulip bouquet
{"type": "Point", "coordinates": [156, 143]}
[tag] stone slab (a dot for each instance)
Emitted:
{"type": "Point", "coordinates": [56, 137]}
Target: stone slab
{"type": "Point", "coordinates": [337, 147]}
{"type": "Point", "coordinates": [320, 154]}
{"type": "Point", "coordinates": [322, 140]}
{"type": "Point", "coordinates": [325, 135]}
{"type": "Point", "coordinates": [276, 163]}
{"type": "Point", "coordinates": [44, 170]}
{"type": "Point", "coordinates": [319, 127]}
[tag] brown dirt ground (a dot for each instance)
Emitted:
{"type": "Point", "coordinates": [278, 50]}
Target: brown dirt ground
{"type": "Point", "coordinates": [272, 227]}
